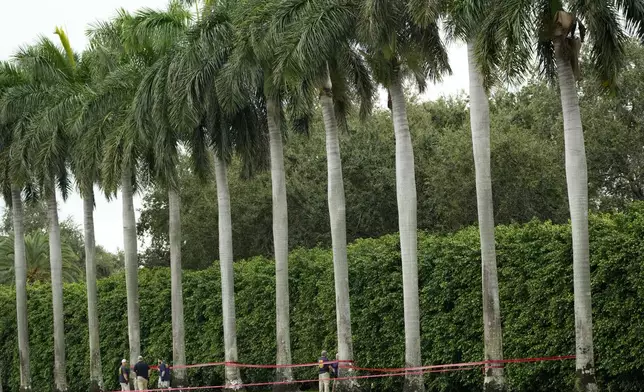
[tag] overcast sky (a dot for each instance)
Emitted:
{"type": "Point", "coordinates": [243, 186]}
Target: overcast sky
{"type": "Point", "coordinates": [21, 22]}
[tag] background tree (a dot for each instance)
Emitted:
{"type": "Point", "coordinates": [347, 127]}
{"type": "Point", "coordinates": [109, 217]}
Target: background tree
{"type": "Point", "coordinates": [37, 256]}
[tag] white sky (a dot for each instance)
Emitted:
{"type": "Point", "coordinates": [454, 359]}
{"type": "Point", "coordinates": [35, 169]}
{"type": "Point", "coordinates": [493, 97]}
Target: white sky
{"type": "Point", "coordinates": [21, 22]}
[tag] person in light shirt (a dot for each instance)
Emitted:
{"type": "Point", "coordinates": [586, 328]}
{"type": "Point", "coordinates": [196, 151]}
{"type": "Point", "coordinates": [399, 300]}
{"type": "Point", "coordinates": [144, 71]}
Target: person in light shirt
{"type": "Point", "coordinates": [124, 375]}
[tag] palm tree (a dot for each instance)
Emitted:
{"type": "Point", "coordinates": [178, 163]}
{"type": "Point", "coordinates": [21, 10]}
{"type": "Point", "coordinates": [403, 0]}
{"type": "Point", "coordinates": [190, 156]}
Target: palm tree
{"type": "Point", "coordinates": [341, 77]}
{"type": "Point", "coordinates": [249, 68]}
{"type": "Point", "coordinates": [558, 47]}
{"type": "Point", "coordinates": [463, 19]}
{"type": "Point", "coordinates": [21, 287]}
{"type": "Point", "coordinates": [85, 166]}
{"type": "Point", "coordinates": [194, 105]}
{"type": "Point", "coordinates": [36, 250]}
{"type": "Point", "coordinates": [45, 143]}
{"type": "Point", "coordinates": [11, 76]}
{"type": "Point", "coordinates": [398, 48]}
{"type": "Point", "coordinates": [162, 32]}
{"type": "Point", "coordinates": [107, 108]}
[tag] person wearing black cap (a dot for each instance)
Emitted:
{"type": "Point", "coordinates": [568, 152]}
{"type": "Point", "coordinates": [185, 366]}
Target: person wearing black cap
{"type": "Point", "coordinates": [142, 371]}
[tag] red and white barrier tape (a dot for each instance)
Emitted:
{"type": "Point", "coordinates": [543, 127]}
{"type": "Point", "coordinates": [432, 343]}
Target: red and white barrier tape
{"type": "Point", "coordinates": [384, 372]}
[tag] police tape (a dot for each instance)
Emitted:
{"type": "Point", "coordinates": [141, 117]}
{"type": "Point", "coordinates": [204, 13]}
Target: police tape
{"type": "Point", "coordinates": [270, 383]}
{"type": "Point", "coordinates": [346, 364]}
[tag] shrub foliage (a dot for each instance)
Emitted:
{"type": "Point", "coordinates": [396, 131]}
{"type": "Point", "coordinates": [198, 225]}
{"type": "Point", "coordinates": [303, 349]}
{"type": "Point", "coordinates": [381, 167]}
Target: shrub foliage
{"type": "Point", "coordinates": [535, 275]}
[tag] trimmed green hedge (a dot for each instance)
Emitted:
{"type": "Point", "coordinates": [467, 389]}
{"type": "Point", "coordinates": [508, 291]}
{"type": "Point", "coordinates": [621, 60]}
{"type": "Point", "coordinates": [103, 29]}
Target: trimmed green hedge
{"type": "Point", "coordinates": [535, 276]}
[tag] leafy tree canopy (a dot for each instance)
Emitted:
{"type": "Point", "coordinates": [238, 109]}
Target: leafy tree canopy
{"type": "Point", "coordinates": [37, 244]}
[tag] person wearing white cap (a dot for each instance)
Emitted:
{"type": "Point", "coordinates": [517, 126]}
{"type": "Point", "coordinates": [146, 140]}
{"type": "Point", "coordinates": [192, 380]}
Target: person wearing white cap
{"type": "Point", "coordinates": [142, 371]}
{"type": "Point", "coordinates": [124, 375]}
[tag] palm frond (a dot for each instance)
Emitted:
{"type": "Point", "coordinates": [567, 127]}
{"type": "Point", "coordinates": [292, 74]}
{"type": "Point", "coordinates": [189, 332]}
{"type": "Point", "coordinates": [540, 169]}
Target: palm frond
{"type": "Point", "coordinates": [633, 11]}
{"type": "Point", "coordinates": [607, 38]}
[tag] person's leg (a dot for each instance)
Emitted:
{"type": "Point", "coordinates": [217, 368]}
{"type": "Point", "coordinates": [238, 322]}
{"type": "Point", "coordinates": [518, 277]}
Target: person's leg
{"type": "Point", "coordinates": [320, 384]}
{"type": "Point", "coordinates": [145, 384]}
{"type": "Point", "coordinates": [326, 382]}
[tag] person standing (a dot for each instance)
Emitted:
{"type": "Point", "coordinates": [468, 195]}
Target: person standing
{"type": "Point", "coordinates": [142, 372]}
{"type": "Point", "coordinates": [323, 372]}
{"type": "Point", "coordinates": [335, 366]}
{"type": "Point", "coordinates": [124, 375]}
{"type": "Point", "coordinates": [164, 375]}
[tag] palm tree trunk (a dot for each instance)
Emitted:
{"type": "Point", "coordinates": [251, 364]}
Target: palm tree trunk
{"type": "Point", "coordinates": [406, 195]}
{"type": "Point", "coordinates": [20, 266]}
{"type": "Point", "coordinates": [178, 329]}
{"type": "Point", "coordinates": [480, 124]}
{"type": "Point", "coordinates": [56, 266]}
{"type": "Point", "coordinates": [577, 181]}
{"type": "Point", "coordinates": [337, 215]}
{"type": "Point", "coordinates": [233, 377]}
{"type": "Point", "coordinates": [131, 267]}
{"type": "Point", "coordinates": [95, 371]}
{"type": "Point", "coordinates": [280, 242]}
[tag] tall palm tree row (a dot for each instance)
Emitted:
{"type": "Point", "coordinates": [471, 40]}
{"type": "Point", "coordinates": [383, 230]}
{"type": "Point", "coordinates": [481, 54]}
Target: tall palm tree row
{"type": "Point", "coordinates": [231, 81]}
{"type": "Point", "coordinates": [559, 29]}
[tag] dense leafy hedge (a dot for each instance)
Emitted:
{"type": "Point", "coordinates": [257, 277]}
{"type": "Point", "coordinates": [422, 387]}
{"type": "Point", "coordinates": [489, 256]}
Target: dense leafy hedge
{"type": "Point", "coordinates": [536, 301]}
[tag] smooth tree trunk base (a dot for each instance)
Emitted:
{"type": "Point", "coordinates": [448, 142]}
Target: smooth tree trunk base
{"type": "Point", "coordinates": [286, 388]}
{"type": "Point", "coordinates": [493, 386]}
{"type": "Point", "coordinates": [586, 380]}
{"type": "Point", "coordinates": [347, 385]}
{"type": "Point", "coordinates": [230, 388]}
{"type": "Point", "coordinates": [95, 387]}
{"type": "Point", "coordinates": [177, 382]}
{"type": "Point", "coordinates": [494, 380]}
{"type": "Point", "coordinates": [414, 383]}
{"type": "Point", "coordinates": [282, 376]}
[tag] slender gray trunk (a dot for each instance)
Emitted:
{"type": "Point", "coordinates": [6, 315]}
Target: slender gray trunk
{"type": "Point", "coordinates": [178, 329]}
{"type": "Point", "coordinates": [280, 242]}
{"type": "Point", "coordinates": [131, 268]}
{"type": "Point", "coordinates": [20, 266]}
{"type": "Point", "coordinates": [233, 377]}
{"type": "Point", "coordinates": [480, 124]}
{"type": "Point", "coordinates": [577, 181]}
{"type": "Point", "coordinates": [337, 215]}
{"type": "Point", "coordinates": [56, 266]}
{"type": "Point", "coordinates": [406, 196]}
{"type": "Point", "coordinates": [95, 371]}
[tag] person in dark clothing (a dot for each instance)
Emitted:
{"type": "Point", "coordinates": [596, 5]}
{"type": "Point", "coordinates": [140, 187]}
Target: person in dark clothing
{"type": "Point", "coordinates": [164, 374]}
{"type": "Point", "coordinates": [142, 371]}
{"type": "Point", "coordinates": [124, 375]}
{"type": "Point", "coordinates": [324, 368]}
{"type": "Point", "coordinates": [335, 367]}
